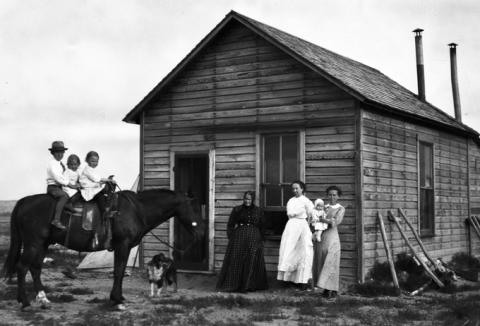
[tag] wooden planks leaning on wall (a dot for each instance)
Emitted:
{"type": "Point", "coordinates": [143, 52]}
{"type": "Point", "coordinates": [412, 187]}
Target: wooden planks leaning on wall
{"type": "Point", "coordinates": [390, 177]}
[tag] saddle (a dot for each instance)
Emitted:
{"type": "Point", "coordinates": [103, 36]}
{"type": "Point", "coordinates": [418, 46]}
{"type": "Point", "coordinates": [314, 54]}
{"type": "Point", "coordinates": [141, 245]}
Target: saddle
{"type": "Point", "coordinates": [87, 214]}
{"type": "Point", "coordinates": [90, 214]}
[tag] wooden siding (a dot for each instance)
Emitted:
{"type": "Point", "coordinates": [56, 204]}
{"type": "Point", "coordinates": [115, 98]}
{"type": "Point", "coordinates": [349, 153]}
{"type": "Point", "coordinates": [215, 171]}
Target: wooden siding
{"type": "Point", "coordinates": [330, 160]}
{"type": "Point", "coordinates": [474, 186]}
{"type": "Point", "coordinates": [390, 181]}
{"type": "Point", "coordinates": [244, 87]}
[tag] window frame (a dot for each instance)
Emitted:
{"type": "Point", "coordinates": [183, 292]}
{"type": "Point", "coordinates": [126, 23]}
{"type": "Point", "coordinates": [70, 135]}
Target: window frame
{"type": "Point", "coordinates": [260, 166]}
{"type": "Point", "coordinates": [426, 232]}
{"type": "Point", "coordinates": [282, 183]}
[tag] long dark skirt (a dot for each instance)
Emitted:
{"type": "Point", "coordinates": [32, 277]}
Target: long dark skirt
{"type": "Point", "coordinates": [243, 267]}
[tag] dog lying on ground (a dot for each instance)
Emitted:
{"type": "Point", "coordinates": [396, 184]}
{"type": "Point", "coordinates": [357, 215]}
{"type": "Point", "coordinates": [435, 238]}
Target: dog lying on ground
{"type": "Point", "coordinates": [161, 270]}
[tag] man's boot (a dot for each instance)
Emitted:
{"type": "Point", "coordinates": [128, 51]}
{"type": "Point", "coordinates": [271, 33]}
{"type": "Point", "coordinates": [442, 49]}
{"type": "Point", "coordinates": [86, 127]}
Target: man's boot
{"type": "Point", "coordinates": [57, 223]}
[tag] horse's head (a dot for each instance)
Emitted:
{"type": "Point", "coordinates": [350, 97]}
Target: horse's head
{"type": "Point", "coordinates": [189, 216]}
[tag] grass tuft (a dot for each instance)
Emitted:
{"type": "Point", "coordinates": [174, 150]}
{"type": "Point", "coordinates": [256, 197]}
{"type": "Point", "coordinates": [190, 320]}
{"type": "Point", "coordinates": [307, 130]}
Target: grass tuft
{"type": "Point", "coordinates": [58, 298]}
{"type": "Point", "coordinates": [81, 291]}
{"type": "Point", "coordinates": [376, 288]}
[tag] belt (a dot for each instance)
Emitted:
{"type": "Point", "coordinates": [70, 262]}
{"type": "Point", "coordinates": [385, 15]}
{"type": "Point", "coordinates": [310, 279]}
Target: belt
{"type": "Point", "coordinates": [244, 224]}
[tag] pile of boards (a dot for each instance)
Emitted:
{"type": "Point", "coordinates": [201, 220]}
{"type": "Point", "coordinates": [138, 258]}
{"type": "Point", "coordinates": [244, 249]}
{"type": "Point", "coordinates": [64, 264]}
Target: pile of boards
{"type": "Point", "coordinates": [435, 269]}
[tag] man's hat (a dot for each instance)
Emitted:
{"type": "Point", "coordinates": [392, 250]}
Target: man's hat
{"type": "Point", "coordinates": [57, 146]}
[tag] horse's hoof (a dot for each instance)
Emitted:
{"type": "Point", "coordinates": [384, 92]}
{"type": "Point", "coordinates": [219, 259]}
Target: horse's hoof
{"type": "Point", "coordinates": [26, 308]}
{"type": "Point", "coordinates": [120, 307]}
{"type": "Point", "coordinates": [45, 306]}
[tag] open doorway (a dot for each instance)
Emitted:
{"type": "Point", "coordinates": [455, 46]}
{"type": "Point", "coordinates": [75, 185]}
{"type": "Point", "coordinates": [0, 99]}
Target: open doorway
{"type": "Point", "coordinates": [192, 178]}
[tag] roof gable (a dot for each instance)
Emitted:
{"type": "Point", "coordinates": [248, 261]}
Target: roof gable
{"type": "Point", "coordinates": [361, 81]}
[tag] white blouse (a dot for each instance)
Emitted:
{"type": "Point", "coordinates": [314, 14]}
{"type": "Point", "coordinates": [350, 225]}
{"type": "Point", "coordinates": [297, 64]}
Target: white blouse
{"type": "Point", "coordinates": [55, 173]}
{"type": "Point", "coordinates": [72, 177]}
{"type": "Point", "coordinates": [299, 207]}
{"type": "Point", "coordinates": [90, 182]}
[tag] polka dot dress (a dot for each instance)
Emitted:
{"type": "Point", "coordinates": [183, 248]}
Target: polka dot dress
{"type": "Point", "coordinates": [243, 267]}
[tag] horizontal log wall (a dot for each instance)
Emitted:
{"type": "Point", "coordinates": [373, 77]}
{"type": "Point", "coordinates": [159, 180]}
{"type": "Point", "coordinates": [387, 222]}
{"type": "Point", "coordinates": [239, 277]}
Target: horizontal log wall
{"type": "Point", "coordinates": [330, 160]}
{"type": "Point", "coordinates": [241, 81]}
{"type": "Point", "coordinates": [390, 178]}
{"type": "Point", "coordinates": [474, 177]}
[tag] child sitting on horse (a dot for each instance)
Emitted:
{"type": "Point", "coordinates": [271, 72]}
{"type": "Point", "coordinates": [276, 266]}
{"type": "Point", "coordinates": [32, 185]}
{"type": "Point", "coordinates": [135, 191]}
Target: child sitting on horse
{"type": "Point", "coordinates": [95, 187]}
{"type": "Point", "coordinates": [56, 179]}
{"type": "Point", "coordinates": [72, 174]}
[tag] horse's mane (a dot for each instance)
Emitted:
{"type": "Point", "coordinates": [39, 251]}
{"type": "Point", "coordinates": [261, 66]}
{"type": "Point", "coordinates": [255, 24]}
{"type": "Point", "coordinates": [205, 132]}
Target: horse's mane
{"type": "Point", "coordinates": [154, 193]}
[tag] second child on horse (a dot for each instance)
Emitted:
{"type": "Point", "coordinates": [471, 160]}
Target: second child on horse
{"type": "Point", "coordinates": [100, 189]}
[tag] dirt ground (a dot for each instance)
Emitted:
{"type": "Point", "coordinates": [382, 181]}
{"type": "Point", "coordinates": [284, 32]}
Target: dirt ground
{"type": "Point", "coordinates": [84, 301]}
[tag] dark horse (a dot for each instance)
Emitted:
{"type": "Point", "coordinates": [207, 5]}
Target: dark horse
{"type": "Point", "coordinates": [138, 213]}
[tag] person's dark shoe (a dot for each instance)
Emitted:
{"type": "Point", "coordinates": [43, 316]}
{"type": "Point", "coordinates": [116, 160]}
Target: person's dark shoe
{"type": "Point", "coordinates": [331, 295]}
{"type": "Point", "coordinates": [69, 207]}
{"type": "Point", "coordinates": [58, 225]}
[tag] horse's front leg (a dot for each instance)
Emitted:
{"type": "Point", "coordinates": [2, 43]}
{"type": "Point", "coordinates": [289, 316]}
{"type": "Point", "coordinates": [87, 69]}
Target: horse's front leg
{"type": "Point", "coordinates": [36, 270]}
{"type": "Point", "coordinates": [122, 251]}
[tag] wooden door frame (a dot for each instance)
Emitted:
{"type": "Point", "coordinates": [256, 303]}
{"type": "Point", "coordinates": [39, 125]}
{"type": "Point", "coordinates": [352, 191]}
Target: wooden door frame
{"type": "Point", "coordinates": [192, 150]}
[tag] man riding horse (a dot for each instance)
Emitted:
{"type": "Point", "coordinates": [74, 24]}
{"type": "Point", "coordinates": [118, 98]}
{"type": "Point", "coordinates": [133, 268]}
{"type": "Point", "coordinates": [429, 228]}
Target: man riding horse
{"type": "Point", "coordinates": [56, 179]}
{"type": "Point", "coordinates": [92, 186]}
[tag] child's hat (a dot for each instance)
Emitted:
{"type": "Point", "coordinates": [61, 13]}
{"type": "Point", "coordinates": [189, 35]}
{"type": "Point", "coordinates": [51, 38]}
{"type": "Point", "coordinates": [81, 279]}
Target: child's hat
{"type": "Point", "coordinates": [57, 146]}
{"type": "Point", "coordinates": [318, 201]}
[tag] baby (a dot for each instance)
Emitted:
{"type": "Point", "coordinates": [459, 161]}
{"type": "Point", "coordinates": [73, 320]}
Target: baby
{"type": "Point", "coordinates": [317, 214]}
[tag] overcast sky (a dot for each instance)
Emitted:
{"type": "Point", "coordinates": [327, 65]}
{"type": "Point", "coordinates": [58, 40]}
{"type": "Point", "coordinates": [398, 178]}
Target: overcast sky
{"type": "Point", "coordinates": [70, 70]}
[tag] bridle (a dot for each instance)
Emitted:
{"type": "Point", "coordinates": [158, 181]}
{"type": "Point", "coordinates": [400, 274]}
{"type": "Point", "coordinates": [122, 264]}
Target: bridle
{"type": "Point", "coordinates": [181, 251]}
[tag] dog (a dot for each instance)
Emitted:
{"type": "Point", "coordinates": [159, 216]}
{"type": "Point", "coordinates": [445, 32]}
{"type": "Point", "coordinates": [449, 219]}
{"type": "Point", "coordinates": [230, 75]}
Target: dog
{"type": "Point", "coordinates": [161, 270]}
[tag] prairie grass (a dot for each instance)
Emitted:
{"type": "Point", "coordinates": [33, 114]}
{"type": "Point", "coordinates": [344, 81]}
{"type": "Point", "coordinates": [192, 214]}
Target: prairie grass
{"type": "Point", "coordinates": [81, 291]}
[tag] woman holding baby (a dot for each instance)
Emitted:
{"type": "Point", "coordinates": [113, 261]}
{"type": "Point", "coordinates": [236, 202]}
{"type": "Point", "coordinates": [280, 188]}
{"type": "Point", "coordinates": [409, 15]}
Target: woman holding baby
{"type": "Point", "coordinates": [326, 258]}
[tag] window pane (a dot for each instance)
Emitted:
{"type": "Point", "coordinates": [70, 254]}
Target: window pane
{"type": "Point", "coordinates": [290, 158]}
{"type": "Point", "coordinates": [287, 194]}
{"type": "Point", "coordinates": [273, 196]}
{"type": "Point", "coordinates": [426, 211]}
{"type": "Point", "coordinates": [272, 159]}
{"type": "Point", "coordinates": [426, 165]}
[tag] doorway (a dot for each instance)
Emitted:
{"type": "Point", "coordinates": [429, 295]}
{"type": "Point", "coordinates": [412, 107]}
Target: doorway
{"type": "Point", "coordinates": [192, 178]}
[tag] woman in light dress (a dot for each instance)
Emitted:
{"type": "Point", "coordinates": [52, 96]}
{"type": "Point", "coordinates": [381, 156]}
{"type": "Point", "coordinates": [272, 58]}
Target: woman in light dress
{"type": "Point", "coordinates": [326, 263]}
{"type": "Point", "coordinates": [296, 247]}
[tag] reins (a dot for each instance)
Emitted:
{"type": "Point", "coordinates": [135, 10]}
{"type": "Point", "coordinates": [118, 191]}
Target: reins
{"type": "Point", "coordinates": [181, 251]}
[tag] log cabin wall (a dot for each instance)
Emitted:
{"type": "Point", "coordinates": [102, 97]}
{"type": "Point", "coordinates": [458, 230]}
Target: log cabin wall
{"type": "Point", "coordinates": [237, 88]}
{"type": "Point", "coordinates": [330, 160]}
{"type": "Point", "coordinates": [474, 186]}
{"type": "Point", "coordinates": [390, 179]}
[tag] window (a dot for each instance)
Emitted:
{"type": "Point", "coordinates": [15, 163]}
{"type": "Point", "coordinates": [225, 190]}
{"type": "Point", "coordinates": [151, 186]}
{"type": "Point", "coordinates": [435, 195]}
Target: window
{"type": "Point", "coordinates": [280, 167]}
{"type": "Point", "coordinates": [426, 206]}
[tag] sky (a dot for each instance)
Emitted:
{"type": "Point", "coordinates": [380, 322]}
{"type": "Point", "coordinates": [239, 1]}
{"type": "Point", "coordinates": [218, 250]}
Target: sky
{"type": "Point", "coordinates": [72, 69]}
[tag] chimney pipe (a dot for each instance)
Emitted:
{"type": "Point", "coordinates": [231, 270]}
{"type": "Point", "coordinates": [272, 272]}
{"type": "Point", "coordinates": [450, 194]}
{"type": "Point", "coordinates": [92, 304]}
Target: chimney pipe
{"type": "Point", "coordinates": [453, 70]}
{"type": "Point", "coordinates": [420, 66]}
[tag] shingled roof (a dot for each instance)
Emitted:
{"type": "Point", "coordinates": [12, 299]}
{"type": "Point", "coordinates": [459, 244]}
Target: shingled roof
{"type": "Point", "coordinates": [363, 82]}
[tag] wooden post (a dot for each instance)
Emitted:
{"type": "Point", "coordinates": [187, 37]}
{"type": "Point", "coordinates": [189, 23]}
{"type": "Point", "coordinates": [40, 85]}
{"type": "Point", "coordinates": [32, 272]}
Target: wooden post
{"type": "Point", "coordinates": [417, 237]}
{"type": "Point", "coordinates": [425, 267]}
{"type": "Point", "coordinates": [387, 250]}
{"type": "Point", "coordinates": [475, 224]}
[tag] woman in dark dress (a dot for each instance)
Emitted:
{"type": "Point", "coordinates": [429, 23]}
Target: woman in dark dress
{"type": "Point", "coordinates": [243, 267]}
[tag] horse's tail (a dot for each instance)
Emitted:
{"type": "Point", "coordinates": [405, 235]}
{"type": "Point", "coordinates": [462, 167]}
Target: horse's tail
{"type": "Point", "coordinates": [9, 267]}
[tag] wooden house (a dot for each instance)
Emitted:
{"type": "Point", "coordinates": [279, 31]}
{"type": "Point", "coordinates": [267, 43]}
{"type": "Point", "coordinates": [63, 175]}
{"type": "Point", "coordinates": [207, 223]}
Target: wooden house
{"type": "Point", "coordinates": [254, 108]}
